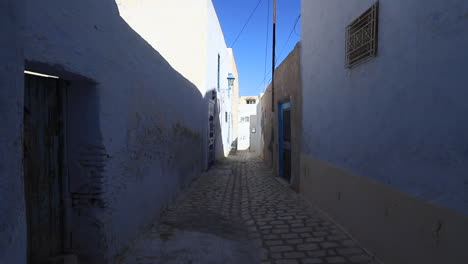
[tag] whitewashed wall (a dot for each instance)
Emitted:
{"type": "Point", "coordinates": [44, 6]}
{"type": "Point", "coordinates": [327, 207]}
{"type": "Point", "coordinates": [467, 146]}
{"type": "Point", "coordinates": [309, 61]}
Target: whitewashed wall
{"type": "Point", "coordinates": [127, 106]}
{"type": "Point", "coordinates": [187, 33]}
{"type": "Point", "coordinates": [176, 29]}
{"type": "Point", "coordinates": [216, 45]}
{"type": "Point", "coordinates": [398, 119]}
{"type": "Point", "coordinates": [245, 110]}
{"type": "Point", "coordinates": [140, 119]}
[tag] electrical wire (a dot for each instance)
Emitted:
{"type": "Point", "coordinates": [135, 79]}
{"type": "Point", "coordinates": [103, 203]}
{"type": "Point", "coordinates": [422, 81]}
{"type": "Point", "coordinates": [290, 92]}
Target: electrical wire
{"type": "Point", "coordinates": [266, 40]}
{"type": "Point", "coordinates": [282, 50]}
{"type": "Point", "coordinates": [246, 23]}
{"type": "Point", "coordinates": [289, 37]}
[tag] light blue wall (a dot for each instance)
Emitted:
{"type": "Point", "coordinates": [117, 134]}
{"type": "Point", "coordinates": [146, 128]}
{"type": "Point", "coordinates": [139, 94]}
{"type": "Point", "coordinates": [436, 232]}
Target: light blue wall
{"type": "Point", "coordinates": [401, 118]}
{"type": "Point", "coordinates": [12, 208]}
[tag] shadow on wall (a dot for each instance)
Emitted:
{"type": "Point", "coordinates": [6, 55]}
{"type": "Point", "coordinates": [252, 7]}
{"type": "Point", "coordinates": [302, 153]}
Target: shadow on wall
{"type": "Point", "coordinates": [82, 177]}
{"type": "Point", "coordinates": [218, 118]}
{"type": "Point", "coordinates": [88, 160]}
{"type": "Point", "coordinates": [233, 150]}
{"type": "Point", "coordinates": [136, 128]}
{"type": "Point", "coordinates": [234, 144]}
{"type": "Point", "coordinates": [219, 140]}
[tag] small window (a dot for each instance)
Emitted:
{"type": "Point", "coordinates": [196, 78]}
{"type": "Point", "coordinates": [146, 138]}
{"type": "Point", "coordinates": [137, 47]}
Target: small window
{"type": "Point", "coordinates": [251, 101]}
{"type": "Point", "coordinates": [225, 116]}
{"type": "Point", "coordinates": [361, 37]}
{"type": "Point", "coordinates": [247, 119]}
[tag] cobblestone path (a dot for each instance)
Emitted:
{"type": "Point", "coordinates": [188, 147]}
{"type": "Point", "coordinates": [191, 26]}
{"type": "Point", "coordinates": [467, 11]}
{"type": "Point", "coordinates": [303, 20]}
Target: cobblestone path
{"type": "Point", "coordinates": [238, 213]}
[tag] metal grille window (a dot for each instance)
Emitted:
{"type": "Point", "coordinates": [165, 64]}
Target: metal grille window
{"type": "Point", "coordinates": [361, 37]}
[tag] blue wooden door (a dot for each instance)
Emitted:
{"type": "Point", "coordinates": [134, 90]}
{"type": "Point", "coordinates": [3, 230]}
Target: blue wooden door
{"type": "Point", "coordinates": [284, 140]}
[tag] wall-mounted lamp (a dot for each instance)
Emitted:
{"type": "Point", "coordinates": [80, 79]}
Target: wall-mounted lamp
{"type": "Point", "coordinates": [231, 79]}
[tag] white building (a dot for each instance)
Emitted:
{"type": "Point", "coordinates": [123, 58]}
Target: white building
{"type": "Point", "coordinates": [234, 100]}
{"type": "Point", "coordinates": [188, 35]}
{"type": "Point", "coordinates": [247, 112]}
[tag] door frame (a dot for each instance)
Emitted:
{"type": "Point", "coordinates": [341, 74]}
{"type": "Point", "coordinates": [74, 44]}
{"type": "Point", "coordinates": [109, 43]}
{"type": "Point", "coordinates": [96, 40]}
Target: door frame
{"type": "Point", "coordinates": [281, 107]}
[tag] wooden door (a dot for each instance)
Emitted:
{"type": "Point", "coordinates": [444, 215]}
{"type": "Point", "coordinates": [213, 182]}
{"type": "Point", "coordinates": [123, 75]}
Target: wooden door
{"type": "Point", "coordinates": [43, 147]}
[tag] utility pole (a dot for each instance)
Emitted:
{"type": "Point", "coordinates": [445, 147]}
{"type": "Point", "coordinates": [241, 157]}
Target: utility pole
{"type": "Point", "coordinates": [273, 59]}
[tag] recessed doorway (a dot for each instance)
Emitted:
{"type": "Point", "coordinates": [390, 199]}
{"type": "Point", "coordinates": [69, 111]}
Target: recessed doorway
{"type": "Point", "coordinates": [43, 166]}
{"type": "Point", "coordinates": [284, 135]}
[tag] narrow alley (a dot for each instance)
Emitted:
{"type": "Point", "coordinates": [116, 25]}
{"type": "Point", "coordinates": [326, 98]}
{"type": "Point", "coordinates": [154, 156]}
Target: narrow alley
{"type": "Point", "coordinates": [232, 132]}
{"type": "Point", "coordinates": [239, 213]}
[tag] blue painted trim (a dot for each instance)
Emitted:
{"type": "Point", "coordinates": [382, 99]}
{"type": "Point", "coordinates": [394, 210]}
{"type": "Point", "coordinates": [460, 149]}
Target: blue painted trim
{"type": "Point", "coordinates": [281, 107]}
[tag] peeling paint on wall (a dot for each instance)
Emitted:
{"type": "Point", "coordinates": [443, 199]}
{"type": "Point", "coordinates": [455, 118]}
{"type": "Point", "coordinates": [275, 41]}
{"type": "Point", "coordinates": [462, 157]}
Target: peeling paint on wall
{"type": "Point", "coordinates": [93, 161]}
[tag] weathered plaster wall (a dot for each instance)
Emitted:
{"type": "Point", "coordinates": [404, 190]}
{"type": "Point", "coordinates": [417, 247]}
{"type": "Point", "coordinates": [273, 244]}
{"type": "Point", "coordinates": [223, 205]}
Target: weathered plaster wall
{"type": "Point", "coordinates": [260, 124]}
{"type": "Point", "coordinates": [245, 110]}
{"type": "Point", "coordinates": [12, 206]}
{"type": "Point", "coordinates": [135, 126]}
{"type": "Point", "coordinates": [216, 45]}
{"type": "Point", "coordinates": [235, 97]}
{"type": "Point", "coordinates": [253, 135]}
{"type": "Point", "coordinates": [255, 123]}
{"type": "Point", "coordinates": [176, 29]}
{"type": "Point", "coordinates": [268, 131]}
{"type": "Point", "coordinates": [385, 143]}
{"type": "Point", "coordinates": [191, 44]}
{"type": "Point", "coordinates": [287, 87]}
{"type": "Point", "coordinates": [395, 226]}
{"type": "Point", "coordinates": [399, 118]}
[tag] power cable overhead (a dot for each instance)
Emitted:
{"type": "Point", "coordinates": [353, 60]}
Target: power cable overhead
{"type": "Point", "coordinates": [246, 23]}
{"type": "Point", "coordinates": [266, 41]}
{"type": "Point", "coordinates": [289, 37]}
{"type": "Point", "coordinates": [282, 50]}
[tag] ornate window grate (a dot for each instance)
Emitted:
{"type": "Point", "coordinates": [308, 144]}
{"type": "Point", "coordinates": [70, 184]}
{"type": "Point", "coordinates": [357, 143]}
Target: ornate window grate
{"type": "Point", "coordinates": [361, 37]}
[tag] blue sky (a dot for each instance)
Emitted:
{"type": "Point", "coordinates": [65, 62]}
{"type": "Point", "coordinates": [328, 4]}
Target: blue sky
{"type": "Point", "coordinates": [250, 47]}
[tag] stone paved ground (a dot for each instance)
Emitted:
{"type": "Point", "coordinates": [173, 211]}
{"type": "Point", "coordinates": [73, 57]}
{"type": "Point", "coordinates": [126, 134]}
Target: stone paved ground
{"type": "Point", "coordinates": [238, 213]}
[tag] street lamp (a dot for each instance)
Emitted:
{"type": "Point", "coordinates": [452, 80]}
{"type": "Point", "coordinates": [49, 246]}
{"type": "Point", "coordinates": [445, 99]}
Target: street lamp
{"type": "Point", "coordinates": [231, 79]}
